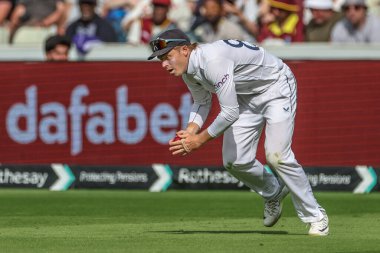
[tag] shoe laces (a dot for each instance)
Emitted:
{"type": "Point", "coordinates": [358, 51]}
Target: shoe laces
{"type": "Point", "coordinates": [271, 207]}
{"type": "Point", "coordinates": [320, 224]}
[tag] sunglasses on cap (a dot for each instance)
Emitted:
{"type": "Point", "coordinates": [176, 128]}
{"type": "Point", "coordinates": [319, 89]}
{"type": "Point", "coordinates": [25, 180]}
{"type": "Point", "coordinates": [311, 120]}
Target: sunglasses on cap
{"type": "Point", "coordinates": [355, 7]}
{"type": "Point", "coordinates": [159, 43]}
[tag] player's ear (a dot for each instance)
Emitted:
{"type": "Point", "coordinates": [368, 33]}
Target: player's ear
{"type": "Point", "coordinates": [185, 50]}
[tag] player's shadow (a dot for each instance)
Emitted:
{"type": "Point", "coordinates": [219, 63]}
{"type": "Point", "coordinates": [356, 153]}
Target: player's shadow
{"type": "Point", "coordinates": [189, 232]}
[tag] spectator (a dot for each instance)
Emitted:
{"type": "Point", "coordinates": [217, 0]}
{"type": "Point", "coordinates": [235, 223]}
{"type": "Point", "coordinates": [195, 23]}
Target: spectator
{"type": "Point", "coordinates": [216, 26]}
{"type": "Point", "coordinates": [41, 13]}
{"type": "Point", "coordinates": [142, 27]}
{"type": "Point", "coordinates": [180, 13]}
{"type": "Point", "coordinates": [197, 18]}
{"type": "Point", "coordinates": [72, 10]}
{"type": "Point", "coordinates": [264, 16]}
{"type": "Point", "coordinates": [244, 13]}
{"type": "Point", "coordinates": [323, 20]}
{"type": "Point", "coordinates": [114, 12]}
{"type": "Point", "coordinates": [90, 29]}
{"type": "Point", "coordinates": [287, 25]}
{"type": "Point", "coordinates": [356, 26]}
{"type": "Point", "coordinates": [57, 48]}
{"type": "Point", "coordinates": [5, 10]}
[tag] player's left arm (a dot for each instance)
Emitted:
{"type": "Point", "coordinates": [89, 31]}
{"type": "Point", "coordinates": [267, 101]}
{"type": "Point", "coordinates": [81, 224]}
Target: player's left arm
{"type": "Point", "coordinates": [220, 72]}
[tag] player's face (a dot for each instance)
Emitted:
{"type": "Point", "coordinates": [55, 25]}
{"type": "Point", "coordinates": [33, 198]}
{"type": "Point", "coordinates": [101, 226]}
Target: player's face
{"type": "Point", "coordinates": [176, 61]}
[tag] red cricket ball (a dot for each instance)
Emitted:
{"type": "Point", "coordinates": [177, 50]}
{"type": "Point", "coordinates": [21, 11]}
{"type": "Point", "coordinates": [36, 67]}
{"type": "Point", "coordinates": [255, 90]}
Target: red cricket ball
{"type": "Point", "coordinates": [177, 138]}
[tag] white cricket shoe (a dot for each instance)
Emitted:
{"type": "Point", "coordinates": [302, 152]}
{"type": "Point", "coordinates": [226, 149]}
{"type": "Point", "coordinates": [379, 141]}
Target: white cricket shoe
{"type": "Point", "coordinates": [273, 208]}
{"type": "Point", "coordinates": [320, 228]}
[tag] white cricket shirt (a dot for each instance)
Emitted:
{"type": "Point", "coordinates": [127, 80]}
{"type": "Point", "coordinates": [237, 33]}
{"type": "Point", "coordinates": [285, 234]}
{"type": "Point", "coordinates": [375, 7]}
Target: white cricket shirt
{"type": "Point", "coordinates": [228, 68]}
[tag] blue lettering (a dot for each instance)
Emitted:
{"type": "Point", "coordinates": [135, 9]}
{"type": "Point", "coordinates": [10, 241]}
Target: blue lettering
{"type": "Point", "coordinates": [240, 44]}
{"type": "Point", "coordinates": [224, 79]}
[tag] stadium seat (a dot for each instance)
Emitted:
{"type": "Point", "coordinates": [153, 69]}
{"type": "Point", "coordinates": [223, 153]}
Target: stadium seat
{"type": "Point", "coordinates": [32, 35]}
{"type": "Point", "coordinates": [4, 33]}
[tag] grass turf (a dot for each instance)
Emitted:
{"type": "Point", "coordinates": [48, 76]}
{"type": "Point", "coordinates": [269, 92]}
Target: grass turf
{"type": "Point", "coordinates": [178, 221]}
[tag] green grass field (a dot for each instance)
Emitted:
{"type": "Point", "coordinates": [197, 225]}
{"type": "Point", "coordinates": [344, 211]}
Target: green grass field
{"type": "Point", "coordinates": [177, 221]}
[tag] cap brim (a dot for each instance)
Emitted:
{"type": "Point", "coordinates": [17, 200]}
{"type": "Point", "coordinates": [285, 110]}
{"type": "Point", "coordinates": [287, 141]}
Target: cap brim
{"type": "Point", "coordinates": [160, 52]}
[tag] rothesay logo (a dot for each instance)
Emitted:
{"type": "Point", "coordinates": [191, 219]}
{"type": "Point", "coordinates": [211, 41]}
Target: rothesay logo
{"type": "Point", "coordinates": [223, 81]}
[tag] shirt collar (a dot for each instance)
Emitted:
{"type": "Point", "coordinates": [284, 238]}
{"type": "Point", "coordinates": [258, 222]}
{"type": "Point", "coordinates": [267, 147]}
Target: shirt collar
{"type": "Point", "coordinates": [193, 65]}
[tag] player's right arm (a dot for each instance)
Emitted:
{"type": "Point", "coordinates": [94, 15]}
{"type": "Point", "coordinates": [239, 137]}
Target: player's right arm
{"type": "Point", "coordinates": [198, 115]}
{"type": "Point", "coordinates": [201, 106]}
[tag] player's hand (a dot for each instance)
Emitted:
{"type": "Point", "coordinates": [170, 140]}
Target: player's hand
{"type": "Point", "coordinates": [188, 143]}
{"type": "Point", "coordinates": [176, 144]}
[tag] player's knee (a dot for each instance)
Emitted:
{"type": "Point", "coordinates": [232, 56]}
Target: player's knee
{"type": "Point", "coordinates": [273, 159]}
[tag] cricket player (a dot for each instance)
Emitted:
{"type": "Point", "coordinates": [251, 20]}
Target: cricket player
{"type": "Point", "coordinates": [255, 90]}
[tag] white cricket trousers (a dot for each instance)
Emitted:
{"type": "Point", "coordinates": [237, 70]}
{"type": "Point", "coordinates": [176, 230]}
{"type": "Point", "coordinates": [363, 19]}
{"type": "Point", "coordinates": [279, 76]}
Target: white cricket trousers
{"type": "Point", "coordinates": [275, 109]}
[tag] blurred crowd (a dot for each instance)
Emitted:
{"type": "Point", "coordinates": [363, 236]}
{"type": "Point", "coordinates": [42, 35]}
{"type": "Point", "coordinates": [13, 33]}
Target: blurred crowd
{"type": "Point", "coordinates": [85, 23]}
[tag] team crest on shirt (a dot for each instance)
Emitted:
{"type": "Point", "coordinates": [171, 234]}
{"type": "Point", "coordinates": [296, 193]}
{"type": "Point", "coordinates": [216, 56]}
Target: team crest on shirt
{"type": "Point", "coordinates": [223, 81]}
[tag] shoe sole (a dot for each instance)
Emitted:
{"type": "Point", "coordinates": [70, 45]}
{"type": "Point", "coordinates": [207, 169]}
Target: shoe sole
{"type": "Point", "coordinates": [324, 234]}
